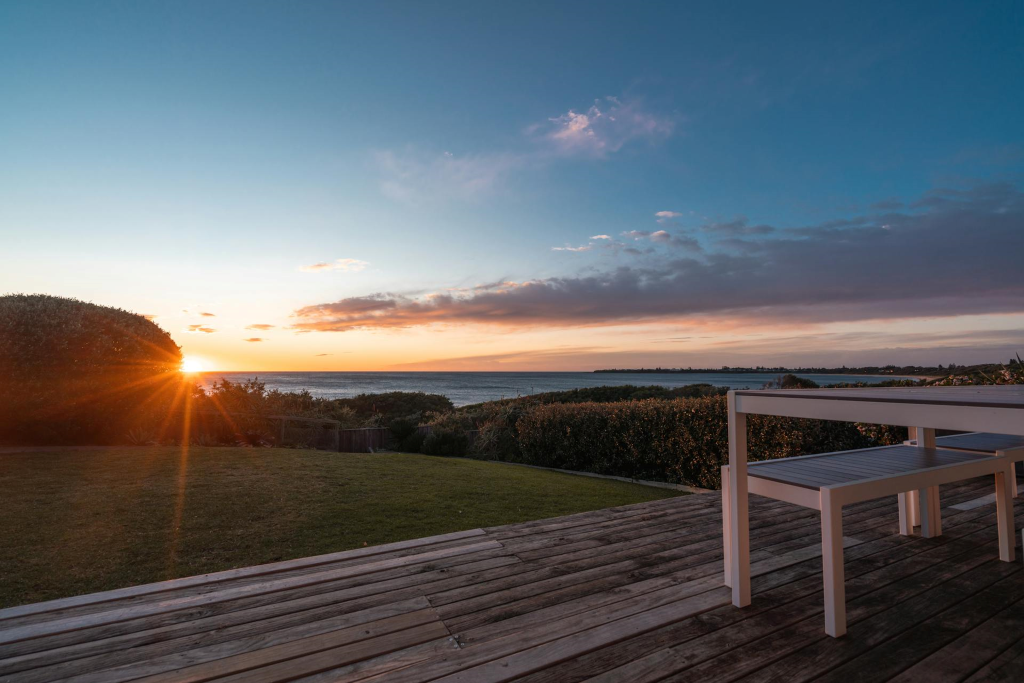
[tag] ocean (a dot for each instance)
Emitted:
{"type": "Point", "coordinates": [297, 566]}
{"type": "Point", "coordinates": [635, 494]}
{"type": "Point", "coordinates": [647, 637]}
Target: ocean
{"type": "Point", "coordinates": [463, 388]}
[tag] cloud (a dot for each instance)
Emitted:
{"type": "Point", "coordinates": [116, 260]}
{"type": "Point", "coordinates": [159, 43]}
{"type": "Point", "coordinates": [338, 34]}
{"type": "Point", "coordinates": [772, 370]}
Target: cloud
{"type": "Point", "coordinates": [149, 316]}
{"type": "Point", "coordinates": [254, 339]}
{"type": "Point", "coordinates": [918, 267]}
{"type": "Point", "coordinates": [600, 237]}
{"type": "Point", "coordinates": [324, 354]}
{"type": "Point", "coordinates": [605, 128]}
{"type": "Point", "coordinates": [260, 326]}
{"type": "Point", "coordinates": [662, 237]}
{"type": "Point", "coordinates": [349, 265]}
{"type": "Point", "coordinates": [208, 315]}
{"type": "Point", "coordinates": [666, 217]}
{"type": "Point", "coordinates": [201, 328]}
{"type": "Point", "coordinates": [585, 247]}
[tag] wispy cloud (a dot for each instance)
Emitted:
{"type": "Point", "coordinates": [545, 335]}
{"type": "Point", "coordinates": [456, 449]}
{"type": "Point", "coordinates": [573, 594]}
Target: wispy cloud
{"type": "Point", "coordinates": [585, 247]}
{"type": "Point", "coordinates": [854, 269]}
{"type": "Point", "coordinates": [254, 339]}
{"type": "Point", "coordinates": [604, 128]}
{"type": "Point", "coordinates": [664, 217]}
{"type": "Point", "coordinates": [416, 177]}
{"type": "Point", "coordinates": [420, 177]}
{"type": "Point", "coordinates": [600, 237]}
{"type": "Point", "coordinates": [208, 315]}
{"type": "Point", "coordinates": [200, 328]}
{"type": "Point", "coordinates": [259, 326]}
{"type": "Point", "coordinates": [350, 265]}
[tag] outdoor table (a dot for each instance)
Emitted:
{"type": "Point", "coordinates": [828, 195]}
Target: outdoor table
{"type": "Point", "coordinates": [998, 409]}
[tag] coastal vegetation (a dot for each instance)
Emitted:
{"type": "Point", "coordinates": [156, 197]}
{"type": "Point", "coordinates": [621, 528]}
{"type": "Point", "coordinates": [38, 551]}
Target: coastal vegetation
{"type": "Point", "coordinates": [82, 521]}
{"type": "Point", "coordinates": [75, 372]}
{"type": "Point", "coordinates": [676, 440]}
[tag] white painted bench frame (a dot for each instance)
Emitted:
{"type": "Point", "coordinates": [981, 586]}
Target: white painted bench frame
{"type": "Point", "coordinates": [1013, 454]}
{"type": "Point", "coordinates": [829, 500]}
{"type": "Point", "coordinates": [873, 408]}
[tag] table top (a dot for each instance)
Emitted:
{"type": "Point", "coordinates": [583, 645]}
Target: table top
{"type": "Point", "coordinates": [987, 396]}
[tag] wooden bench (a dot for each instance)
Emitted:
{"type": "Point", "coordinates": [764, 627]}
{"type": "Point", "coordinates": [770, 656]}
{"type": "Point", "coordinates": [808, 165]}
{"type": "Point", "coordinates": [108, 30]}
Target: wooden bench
{"type": "Point", "coordinates": [1006, 445]}
{"type": "Point", "coordinates": [828, 481]}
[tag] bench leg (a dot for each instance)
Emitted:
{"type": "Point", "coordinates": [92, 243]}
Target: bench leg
{"type": "Point", "coordinates": [915, 509]}
{"type": "Point", "coordinates": [906, 528]}
{"type": "Point", "coordinates": [727, 541]}
{"type": "Point", "coordinates": [832, 565]}
{"type": "Point", "coordinates": [931, 522]}
{"type": "Point", "coordinates": [1004, 515]}
{"type": "Point", "coordinates": [934, 502]}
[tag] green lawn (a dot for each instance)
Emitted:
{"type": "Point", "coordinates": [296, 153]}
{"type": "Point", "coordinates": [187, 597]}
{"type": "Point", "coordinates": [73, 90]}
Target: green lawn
{"type": "Point", "coordinates": [85, 521]}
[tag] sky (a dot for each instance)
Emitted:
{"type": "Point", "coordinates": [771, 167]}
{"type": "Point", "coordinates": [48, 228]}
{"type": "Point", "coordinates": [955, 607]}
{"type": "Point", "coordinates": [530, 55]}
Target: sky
{"type": "Point", "coordinates": [523, 186]}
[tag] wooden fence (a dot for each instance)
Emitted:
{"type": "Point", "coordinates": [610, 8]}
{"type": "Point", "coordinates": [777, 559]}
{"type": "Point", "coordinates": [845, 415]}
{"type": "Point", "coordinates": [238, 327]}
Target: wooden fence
{"type": "Point", "coordinates": [366, 440]}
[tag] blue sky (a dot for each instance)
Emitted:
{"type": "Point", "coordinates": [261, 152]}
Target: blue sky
{"type": "Point", "coordinates": [177, 157]}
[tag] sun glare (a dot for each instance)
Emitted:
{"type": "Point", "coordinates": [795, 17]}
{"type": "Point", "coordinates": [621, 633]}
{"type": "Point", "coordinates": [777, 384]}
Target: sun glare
{"type": "Point", "coordinates": [191, 365]}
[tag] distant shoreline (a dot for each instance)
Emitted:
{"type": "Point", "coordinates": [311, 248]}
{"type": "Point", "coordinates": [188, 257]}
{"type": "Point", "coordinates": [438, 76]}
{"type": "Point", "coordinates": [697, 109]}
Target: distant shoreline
{"type": "Point", "coordinates": [770, 371]}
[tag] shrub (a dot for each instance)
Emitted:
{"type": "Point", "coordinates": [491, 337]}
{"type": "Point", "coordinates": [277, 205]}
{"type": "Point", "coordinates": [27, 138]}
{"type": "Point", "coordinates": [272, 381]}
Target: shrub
{"type": "Point", "coordinates": [396, 404]}
{"type": "Point", "coordinates": [412, 443]}
{"type": "Point", "coordinates": [405, 436]}
{"type": "Point", "coordinates": [78, 373]}
{"type": "Point", "coordinates": [447, 435]}
{"type": "Point", "coordinates": [498, 437]}
{"type": "Point", "coordinates": [791, 381]}
{"type": "Point", "coordinates": [401, 429]}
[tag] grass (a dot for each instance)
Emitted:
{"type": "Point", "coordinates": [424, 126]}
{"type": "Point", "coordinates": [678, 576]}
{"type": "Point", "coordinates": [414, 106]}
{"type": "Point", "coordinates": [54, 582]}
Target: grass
{"type": "Point", "coordinates": [75, 522]}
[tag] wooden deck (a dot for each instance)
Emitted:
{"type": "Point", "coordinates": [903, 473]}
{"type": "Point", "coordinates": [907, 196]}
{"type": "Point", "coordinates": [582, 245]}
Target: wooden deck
{"type": "Point", "coordinates": [627, 594]}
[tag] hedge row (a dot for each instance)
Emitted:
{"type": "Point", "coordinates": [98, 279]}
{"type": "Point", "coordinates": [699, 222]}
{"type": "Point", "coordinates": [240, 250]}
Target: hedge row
{"type": "Point", "coordinates": [681, 441]}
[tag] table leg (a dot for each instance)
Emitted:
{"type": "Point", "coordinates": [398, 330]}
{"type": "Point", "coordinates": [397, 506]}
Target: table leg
{"type": "Point", "coordinates": [927, 513]}
{"type": "Point", "coordinates": [1004, 515]}
{"type": "Point", "coordinates": [726, 536]}
{"type": "Point", "coordinates": [739, 523]}
{"type": "Point", "coordinates": [928, 499]}
{"type": "Point", "coordinates": [832, 565]}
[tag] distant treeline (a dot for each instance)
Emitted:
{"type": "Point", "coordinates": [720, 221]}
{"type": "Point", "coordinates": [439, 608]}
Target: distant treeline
{"type": "Point", "coordinates": [915, 370]}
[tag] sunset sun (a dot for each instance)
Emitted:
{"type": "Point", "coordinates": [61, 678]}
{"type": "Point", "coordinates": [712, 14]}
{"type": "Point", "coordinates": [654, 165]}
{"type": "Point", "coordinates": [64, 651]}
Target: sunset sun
{"type": "Point", "coordinates": [191, 365]}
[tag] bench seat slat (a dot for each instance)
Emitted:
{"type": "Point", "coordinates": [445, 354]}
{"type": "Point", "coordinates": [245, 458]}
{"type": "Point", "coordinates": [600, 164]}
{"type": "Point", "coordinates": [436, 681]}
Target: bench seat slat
{"type": "Point", "coordinates": [853, 466]}
{"type": "Point", "coordinates": [983, 442]}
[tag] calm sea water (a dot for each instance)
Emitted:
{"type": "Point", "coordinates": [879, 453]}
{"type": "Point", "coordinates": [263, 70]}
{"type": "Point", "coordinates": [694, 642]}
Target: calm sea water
{"type": "Point", "coordinates": [463, 388]}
